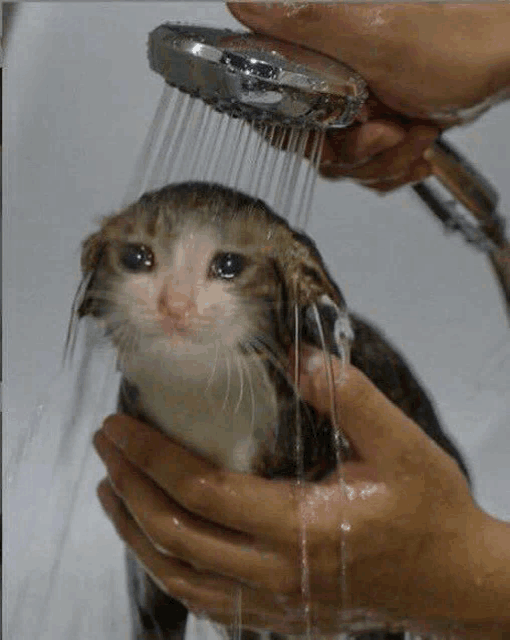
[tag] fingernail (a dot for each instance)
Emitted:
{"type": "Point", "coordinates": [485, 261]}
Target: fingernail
{"type": "Point", "coordinates": [313, 363]}
{"type": "Point", "coordinates": [360, 156]}
{"type": "Point", "coordinates": [118, 433]}
{"type": "Point", "coordinates": [104, 449]}
{"type": "Point", "coordinates": [106, 498]}
{"type": "Point", "coordinates": [102, 491]}
{"type": "Point", "coordinates": [382, 179]}
{"type": "Point", "coordinates": [366, 152]}
{"type": "Point", "coordinates": [420, 174]}
{"type": "Point", "coordinates": [375, 138]}
{"type": "Point", "coordinates": [98, 443]}
{"type": "Point", "coordinates": [428, 154]}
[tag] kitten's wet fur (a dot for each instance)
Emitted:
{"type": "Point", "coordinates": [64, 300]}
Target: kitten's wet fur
{"type": "Point", "coordinates": [203, 290]}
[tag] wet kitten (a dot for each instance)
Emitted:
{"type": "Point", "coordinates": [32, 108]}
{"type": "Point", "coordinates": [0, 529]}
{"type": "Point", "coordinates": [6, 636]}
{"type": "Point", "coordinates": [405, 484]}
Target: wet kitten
{"type": "Point", "coordinates": [204, 292]}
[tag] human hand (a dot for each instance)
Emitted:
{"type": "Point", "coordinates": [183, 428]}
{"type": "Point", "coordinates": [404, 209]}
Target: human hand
{"type": "Point", "coordinates": [428, 66]}
{"type": "Point", "coordinates": [205, 534]}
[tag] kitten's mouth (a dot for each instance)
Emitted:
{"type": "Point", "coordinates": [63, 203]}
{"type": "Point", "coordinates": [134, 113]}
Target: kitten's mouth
{"type": "Point", "coordinates": [172, 326]}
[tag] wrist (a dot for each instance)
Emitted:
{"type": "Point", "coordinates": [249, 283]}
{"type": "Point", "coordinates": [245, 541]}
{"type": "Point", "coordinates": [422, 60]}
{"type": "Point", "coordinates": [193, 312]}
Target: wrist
{"type": "Point", "coordinates": [467, 49]}
{"type": "Point", "coordinates": [489, 550]}
{"type": "Point", "coordinates": [492, 47]}
{"type": "Point", "coordinates": [473, 569]}
{"type": "Point", "coordinates": [452, 61]}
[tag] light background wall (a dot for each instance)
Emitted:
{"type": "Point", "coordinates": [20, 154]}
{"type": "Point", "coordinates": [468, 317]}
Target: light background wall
{"type": "Point", "coordinates": [79, 98]}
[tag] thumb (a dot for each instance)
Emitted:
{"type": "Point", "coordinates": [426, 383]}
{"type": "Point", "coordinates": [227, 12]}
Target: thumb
{"type": "Point", "coordinates": [308, 25]}
{"type": "Point", "coordinates": [346, 33]}
{"type": "Point", "coordinates": [372, 423]}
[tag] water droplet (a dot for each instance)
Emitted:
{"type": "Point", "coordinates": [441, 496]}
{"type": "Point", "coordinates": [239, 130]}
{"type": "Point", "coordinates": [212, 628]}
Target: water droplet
{"type": "Point", "coordinates": [350, 492]}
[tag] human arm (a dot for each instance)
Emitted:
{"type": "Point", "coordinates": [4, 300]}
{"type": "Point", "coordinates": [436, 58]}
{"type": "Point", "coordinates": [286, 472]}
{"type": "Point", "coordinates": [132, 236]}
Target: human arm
{"type": "Point", "coordinates": [426, 64]}
{"type": "Point", "coordinates": [418, 546]}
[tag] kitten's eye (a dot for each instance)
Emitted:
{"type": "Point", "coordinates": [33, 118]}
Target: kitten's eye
{"type": "Point", "coordinates": [227, 265]}
{"type": "Point", "coordinates": [137, 257]}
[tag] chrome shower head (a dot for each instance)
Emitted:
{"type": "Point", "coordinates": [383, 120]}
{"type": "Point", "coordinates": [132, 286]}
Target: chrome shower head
{"type": "Point", "coordinates": [257, 78]}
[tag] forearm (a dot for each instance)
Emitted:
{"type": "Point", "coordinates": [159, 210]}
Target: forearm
{"type": "Point", "coordinates": [431, 60]}
{"type": "Point", "coordinates": [473, 578]}
{"type": "Point", "coordinates": [490, 593]}
{"type": "Point", "coordinates": [477, 48]}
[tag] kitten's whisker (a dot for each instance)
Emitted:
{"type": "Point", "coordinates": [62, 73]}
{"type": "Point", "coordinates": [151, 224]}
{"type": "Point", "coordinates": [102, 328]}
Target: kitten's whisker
{"type": "Point", "coordinates": [72, 329]}
{"type": "Point", "coordinates": [241, 382]}
{"type": "Point", "coordinates": [259, 344]}
{"type": "Point", "coordinates": [227, 392]}
{"type": "Point", "coordinates": [118, 329]}
{"type": "Point", "coordinates": [136, 338]}
{"type": "Point", "coordinates": [273, 359]}
{"type": "Point", "coordinates": [211, 377]}
{"type": "Point", "coordinates": [340, 439]}
{"type": "Point", "coordinates": [127, 337]}
{"type": "Point", "coordinates": [266, 343]}
{"type": "Point", "coordinates": [264, 375]}
{"type": "Point", "coordinates": [304, 409]}
{"type": "Point", "coordinates": [299, 435]}
{"type": "Point", "coordinates": [252, 393]}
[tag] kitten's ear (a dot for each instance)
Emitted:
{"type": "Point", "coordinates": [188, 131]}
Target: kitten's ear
{"type": "Point", "coordinates": [85, 303]}
{"type": "Point", "coordinates": [91, 255]}
{"type": "Point", "coordinates": [325, 324]}
{"type": "Point", "coordinates": [91, 252]}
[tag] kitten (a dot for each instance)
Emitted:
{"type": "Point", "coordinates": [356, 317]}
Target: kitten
{"type": "Point", "coordinates": [205, 291]}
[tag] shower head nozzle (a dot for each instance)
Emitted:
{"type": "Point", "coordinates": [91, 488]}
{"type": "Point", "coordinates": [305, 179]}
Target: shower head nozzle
{"type": "Point", "coordinates": [256, 78]}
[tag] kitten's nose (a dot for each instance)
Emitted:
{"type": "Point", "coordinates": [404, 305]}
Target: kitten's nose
{"type": "Point", "coordinates": [175, 302]}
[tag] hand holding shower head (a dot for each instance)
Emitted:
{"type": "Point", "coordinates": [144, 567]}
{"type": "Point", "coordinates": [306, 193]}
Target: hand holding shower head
{"type": "Point", "coordinates": [267, 81]}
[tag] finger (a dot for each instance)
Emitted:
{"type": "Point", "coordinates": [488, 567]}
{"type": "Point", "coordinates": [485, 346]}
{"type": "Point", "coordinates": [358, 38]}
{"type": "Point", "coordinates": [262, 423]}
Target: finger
{"type": "Point", "coordinates": [310, 26]}
{"type": "Point", "coordinates": [355, 146]}
{"type": "Point", "coordinates": [203, 592]}
{"type": "Point", "coordinates": [205, 546]}
{"type": "Point", "coordinates": [377, 428]}
{"type": "Point", "coordinates": [238, 501]}
{"type": "Point", "coordinates": [173, 576]}
{"type": "Point", "coordinates": [392, 164]}
{"type": "Point", "coordinates": [418, 171]}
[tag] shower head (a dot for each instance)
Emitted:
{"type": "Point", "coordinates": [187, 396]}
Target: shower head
{"type": "Point", "coordinates": [257, 78]}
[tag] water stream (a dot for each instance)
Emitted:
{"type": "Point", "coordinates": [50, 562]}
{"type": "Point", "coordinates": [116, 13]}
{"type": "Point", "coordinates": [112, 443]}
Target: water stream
{"type": "Point", "coordinates": [188, 140]}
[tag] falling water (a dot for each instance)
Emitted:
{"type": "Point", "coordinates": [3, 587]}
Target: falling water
{"type": "Point", "coordinates": [338, 444]}
{"type": "Point", "coordinates": [46, 535]}
{"type": "Point", "coordinates": [188, 140]}
{"type": "Point", "coordinates": [236, 631]}
{"type": "Point", "coordinates": [300, 484]}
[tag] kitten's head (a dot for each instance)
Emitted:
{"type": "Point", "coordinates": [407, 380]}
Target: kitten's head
{"type": "Point", "coordinates": [195, 264]}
